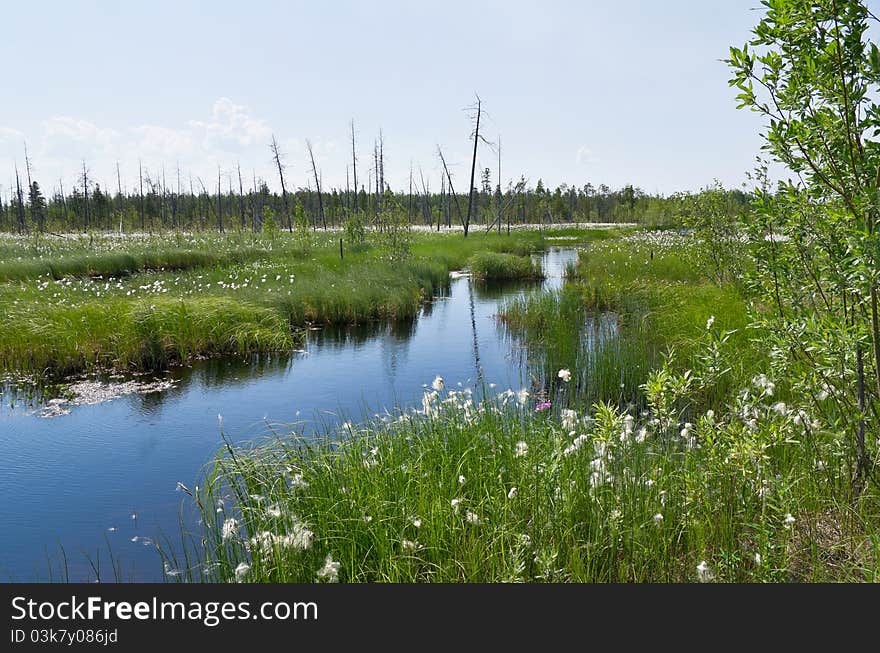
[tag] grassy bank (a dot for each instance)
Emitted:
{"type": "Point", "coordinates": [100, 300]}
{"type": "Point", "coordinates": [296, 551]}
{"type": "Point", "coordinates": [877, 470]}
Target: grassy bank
{"type": "Point", "coordinates": [492, 266]}
{"type": "Point", "coordinates": [503, 492]}
{"type": "Point", "coordinates": [630, 302]}
{"type": "Point", "coordinates": [148, 303]}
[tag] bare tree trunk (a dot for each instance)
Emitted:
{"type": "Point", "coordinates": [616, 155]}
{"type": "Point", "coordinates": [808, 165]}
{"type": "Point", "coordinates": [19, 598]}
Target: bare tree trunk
{"type": "Point", "coordinates": [219, 202]}
{"type": "Point", "coordinates": [467, 221]}
{"type": "Point", "coordinates": [354, 169]}
{"type": "Point", "coordinates": [241, 199]}
{"type": "Point", "coordinates": [20, 211]}
{"type": "Point", "coordinates": [119, 196]}
{"type": "Point", "coordinates": [499, 185]}
{"type": "Point", "coordinates": [318, 185]}
{"type": "Point", "coordinates": [85, 180]}
{"type": "Point", "coordinates": [141, 181]}
{"type": "Point", "coordinates": [276, 153]}
{"type": "Point", "coordinates": [451, 187]}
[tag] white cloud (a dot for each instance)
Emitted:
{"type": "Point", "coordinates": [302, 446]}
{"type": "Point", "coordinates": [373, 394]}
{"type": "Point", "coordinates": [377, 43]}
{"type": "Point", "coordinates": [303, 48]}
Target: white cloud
{"type": "Point", "coordinates": [585, 156]}
{"type": "Point", "coordinates": [231, 125]}
{"type": "Point", "coordinates": [10, 134]}
{"type": "Point", "coordinates": [164, 142]}
{"type": "Point", "coordinates": [63, 133]}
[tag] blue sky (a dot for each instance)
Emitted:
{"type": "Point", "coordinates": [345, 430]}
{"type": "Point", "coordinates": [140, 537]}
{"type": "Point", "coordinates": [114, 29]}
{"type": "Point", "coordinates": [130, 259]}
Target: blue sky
{"type": "Point", "coordinates": [607, 92]}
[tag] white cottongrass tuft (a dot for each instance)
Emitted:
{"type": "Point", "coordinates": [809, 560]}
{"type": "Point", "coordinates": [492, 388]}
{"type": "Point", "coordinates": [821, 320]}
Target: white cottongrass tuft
{"type": "Point", "coordinates": [461, 479]}
{"type": "Point", "coordinates": [437, 384]}
{"type": "Point", "coordinates": [704, 574]}
{"type": "Point", "coordinates": [569, 419]}
{"type": "Point", "coordinates": [512, 493]}
{"type": "Point", "coordinates": [788, 521]}
{"type": "Point", "coordinates": [330, 570]}
{"type": "Point", "coordinates": [472, 518]}
{"type": "Point", "coordinates": [409, 546]}
{"type": "Point", "coordinates": [710, 322]}
{"type": "Point", "coordinates": [564, 374]}
{"type": "Point", "coordinates": [522, 449]}
{"type": "Point", "coordinates": [579, 442]}
{"type": "Point", "coordinates": [658, 519]}
{"type": "Point", "coordinates": [230, 528]}
{"type": "Point", "coordinates": [241, 571]}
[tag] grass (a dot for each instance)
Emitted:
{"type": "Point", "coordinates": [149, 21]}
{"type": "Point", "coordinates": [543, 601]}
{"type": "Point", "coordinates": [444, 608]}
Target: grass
{"type": "Point", "coordinates": [653, 299]}
{"type": "Point", "coordinates": [493, 266]}
{"type": "Point", "coordinates": [147, 303]}
{"type": "Point", "coordinates": [502, 493]}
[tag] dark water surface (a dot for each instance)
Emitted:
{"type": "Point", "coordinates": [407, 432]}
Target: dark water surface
{"type": "Point", "coordinates": [66, 481]}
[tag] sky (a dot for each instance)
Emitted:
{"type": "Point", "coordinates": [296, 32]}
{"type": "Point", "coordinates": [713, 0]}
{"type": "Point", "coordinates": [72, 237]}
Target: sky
{"type": "Point", "coordinates": [623, 92]}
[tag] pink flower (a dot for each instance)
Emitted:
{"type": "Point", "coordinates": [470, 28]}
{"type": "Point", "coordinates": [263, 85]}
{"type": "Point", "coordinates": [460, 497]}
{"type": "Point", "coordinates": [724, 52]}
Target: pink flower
{"type": "Point", "coordinates": [544, 405]}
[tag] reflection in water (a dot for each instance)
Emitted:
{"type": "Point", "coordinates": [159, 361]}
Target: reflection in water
{"type": "Point", "coordinates": [72, 478]}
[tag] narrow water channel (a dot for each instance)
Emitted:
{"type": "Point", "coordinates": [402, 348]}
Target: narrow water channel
{"type": "Point", "coordinates": [101, 478]}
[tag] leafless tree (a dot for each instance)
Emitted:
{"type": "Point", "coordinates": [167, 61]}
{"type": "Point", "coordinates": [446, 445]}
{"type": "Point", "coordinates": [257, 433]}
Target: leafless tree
{"type": "Point", "coordinates": [317, 184]}
{"type": "Point", "coordinates": [277, 155]}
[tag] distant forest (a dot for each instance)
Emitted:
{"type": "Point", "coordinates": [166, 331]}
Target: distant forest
{"type": "Point", "coordinates": [231, 202]}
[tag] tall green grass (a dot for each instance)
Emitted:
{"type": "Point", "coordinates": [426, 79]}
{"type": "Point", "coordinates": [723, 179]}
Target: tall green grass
{"type": "Point", "coordinates": [501, 493]}
{"type": "Point", "coordinates": [492, 266]}
{"type": "Point", "coordinates": [148, 303]}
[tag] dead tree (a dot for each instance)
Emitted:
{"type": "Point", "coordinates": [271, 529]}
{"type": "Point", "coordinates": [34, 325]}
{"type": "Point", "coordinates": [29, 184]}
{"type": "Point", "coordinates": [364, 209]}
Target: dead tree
{"type": "Point", "coordinates": [219, 202]}
{"type": "Point", "coordinates": [141, 182]}
{"type": "Point", "coordinates": [451, 187]}
{"type": "Point", "coordinates": [85, 183]}
{"type": "Point", "coordinates": [354, 169]}
{"type": "Point", "coordinates": [499, 184]}
{"type": "Point", "coordinates": [317, 184]}
{"type": "Point", "coordinates": [467, 222]}
{"type": "Point", "coordinates": [20, 201]}
{"type": "Point", "coordinates": [241, 199]}
{"type": "Point", "coordinates": [276, 154]}
{"type": "Point", "coordinates": [119, 196]}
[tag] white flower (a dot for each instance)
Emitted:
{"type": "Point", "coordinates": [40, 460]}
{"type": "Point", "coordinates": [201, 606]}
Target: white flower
{"type": "Point", "coordinates": [710, 322]}
{"type": "Point", "coordinates": [437, 384]}
{"type": "Point", "coordinates": [417, 522]}
{"type": "Point", "coordinates": [230, 528]}
{"type": "Point", "coordinates": [569, 418]}
{"type": "Point", "coordinates": [241, 571]}
{"type": "Point", "coordinates": [615, 515]}
{"type": "Point", "coordinates": [297, 480]}
{"type": "Point", "coordinates": [522, 396]}
{"type": "Point", "coordinates": [658, 519]}
{"type": "Point", "coordinates": [472, 518]}
{"type": "Point", "coordinates": [704, 574]}
{"type": "Point", "coordinates": [788, 521]}
{"type": "Point", "coordinates": [780, 408]}
{"type": "Point", "coordinates": [461, 479]}
{"type": "Point", "coordinates": [642, 435]}
{"type": "Point", "coordinates": [330, 570]}
{"type": "Point", "coordinates": [761, 381]}
{"type": "Point", "coordinates": [522, 449]}
{"type": "Point", "coordinates": [410, 546]}
{"type": "Point", "coordinates": [579, 441]}
{"type": "Point", "coordinates": [564, 374]}
{"type": "Point", "coordinates": [455, 503]}
{"type": "Point", "coordinates": [512, 493]}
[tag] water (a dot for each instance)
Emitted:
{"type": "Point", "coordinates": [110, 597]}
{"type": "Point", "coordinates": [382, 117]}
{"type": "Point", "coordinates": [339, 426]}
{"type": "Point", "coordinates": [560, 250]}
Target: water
{"type": "Point", "coordinates": [68, 480]}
